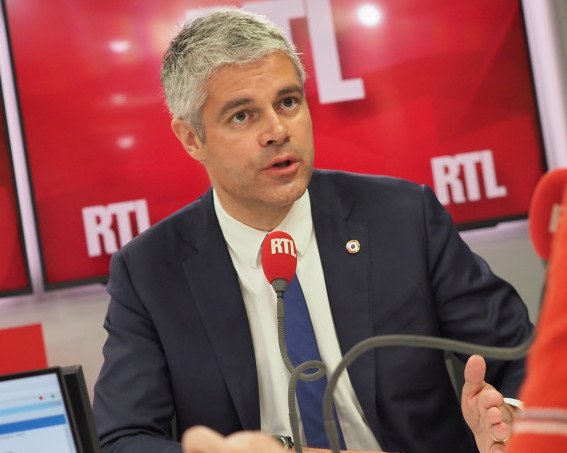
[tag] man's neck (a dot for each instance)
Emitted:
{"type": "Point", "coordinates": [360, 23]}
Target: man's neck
{"type": "Point", "coordinates": [258, 217]}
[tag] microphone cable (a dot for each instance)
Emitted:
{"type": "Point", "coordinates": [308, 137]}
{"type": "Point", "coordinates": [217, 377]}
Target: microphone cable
{"type": "Point", "coordinates": [444, 344]}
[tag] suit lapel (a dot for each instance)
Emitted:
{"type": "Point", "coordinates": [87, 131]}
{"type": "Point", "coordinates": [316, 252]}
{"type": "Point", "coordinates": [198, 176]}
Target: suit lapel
{"type": "Point", "coordinates": [347, 280]}
{"type": "Point", "coordinates": [214, 284]}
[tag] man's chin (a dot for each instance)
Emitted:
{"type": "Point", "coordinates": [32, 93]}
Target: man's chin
{"type": "Point", "coordinates": [293, 194]}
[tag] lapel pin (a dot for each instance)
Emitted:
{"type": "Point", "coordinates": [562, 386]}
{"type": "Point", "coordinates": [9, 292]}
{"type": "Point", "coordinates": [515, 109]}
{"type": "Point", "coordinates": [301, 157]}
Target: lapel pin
{"type": "Point", "coordinates": [353, 246]}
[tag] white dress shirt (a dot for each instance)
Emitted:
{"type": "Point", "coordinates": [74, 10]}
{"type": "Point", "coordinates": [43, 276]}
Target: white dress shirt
{"type": "Point", "coordinates": [244, 245]}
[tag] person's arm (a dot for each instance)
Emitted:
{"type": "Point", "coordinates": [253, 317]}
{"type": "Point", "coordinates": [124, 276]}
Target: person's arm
{"type": "Point", "coordinates": [200, 439]}
{"type": "Point", "coordinates": [474, 305]}
{"type": "Point", "coordinates": [132, 405]}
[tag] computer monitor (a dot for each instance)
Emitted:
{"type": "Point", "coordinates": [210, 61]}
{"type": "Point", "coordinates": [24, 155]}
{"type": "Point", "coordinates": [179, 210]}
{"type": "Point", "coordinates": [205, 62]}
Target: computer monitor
{"type": "Point", "coordinates": [81, 408]}
{"type": "Point", "coordinates": [36, 414]}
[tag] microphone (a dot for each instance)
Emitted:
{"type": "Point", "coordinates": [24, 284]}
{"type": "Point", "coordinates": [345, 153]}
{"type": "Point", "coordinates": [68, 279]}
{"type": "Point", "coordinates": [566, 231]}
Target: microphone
{"type": "Point", "coordinates": [279, 262]}
{"type": "Point", "coordinates": [279, 259]}
{"type": "Point", "coordinates": [545, 210]}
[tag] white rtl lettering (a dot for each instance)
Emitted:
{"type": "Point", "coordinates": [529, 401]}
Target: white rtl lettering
{"type": "Point", "coordinates": [447, 175]}
{"type": "Point", "coordinates": [286, 245]}
{"type": "Point", "coordinates": [491, 187]}
{"type": "Point", "coordinates": [555, 217]}
{"type": "Point", "coordinates": [276, 245]}
{"type": "Point", "coordinates": [122, 213]}
{"type": "Point", "coordinates": [142, 215]}
{"type": "Point", "coordinates": [292, 248]}
{"type": "Point", "coordinates": [468, 162]}
{"type": "Point", "coordinates": [282, 245]}
{"type": "Point", "coordinates": [98, 224]}
{"type": "Point", "coordinates": [331, 86]}
{"type": "Point", "coordinates": [280, 12]}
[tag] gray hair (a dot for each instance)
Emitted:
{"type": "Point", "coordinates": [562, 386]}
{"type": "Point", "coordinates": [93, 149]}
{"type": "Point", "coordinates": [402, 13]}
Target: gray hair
{"type": "Point", "coordinates": [225, 36]}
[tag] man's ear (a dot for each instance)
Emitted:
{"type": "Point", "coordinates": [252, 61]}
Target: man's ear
{"type": "Point", "coordinates": [187, 135]}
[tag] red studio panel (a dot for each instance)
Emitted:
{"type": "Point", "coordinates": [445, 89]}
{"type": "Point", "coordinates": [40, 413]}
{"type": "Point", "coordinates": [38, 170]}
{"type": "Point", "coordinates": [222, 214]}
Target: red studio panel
{"type": "Point", "coordinates": [22, 348]}
{"type": "Point", "coordinates": [14, 277]}
{"type": "Point", "coordinates": [436, 91]}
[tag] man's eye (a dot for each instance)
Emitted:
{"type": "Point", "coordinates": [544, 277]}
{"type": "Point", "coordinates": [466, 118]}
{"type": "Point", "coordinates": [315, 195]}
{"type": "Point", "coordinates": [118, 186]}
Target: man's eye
{"type": "Point", "coordinates": [240, 117]}
{"type": "Point", "coordinates": [289, 103]}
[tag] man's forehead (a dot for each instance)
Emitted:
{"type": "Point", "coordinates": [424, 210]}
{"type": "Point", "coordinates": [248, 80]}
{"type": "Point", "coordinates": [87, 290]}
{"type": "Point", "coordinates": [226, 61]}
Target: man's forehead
{"type": "Point", "coordinates": [244, 83]}
{"type": "Point", "coordinates": [275, 61]}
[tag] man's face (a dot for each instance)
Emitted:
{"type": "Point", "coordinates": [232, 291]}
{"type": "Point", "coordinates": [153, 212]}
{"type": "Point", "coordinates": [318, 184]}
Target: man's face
{"type": "Point", "coordinates": [258, 148]}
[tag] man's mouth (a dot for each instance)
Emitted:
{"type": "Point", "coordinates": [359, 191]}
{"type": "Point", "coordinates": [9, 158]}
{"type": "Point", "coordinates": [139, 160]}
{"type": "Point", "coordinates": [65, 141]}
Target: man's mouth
{"type": "Point", "coordinates": [284, 164]}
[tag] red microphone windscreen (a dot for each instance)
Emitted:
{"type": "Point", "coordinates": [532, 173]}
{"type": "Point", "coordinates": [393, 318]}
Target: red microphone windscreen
{"type": "Point", "coordinates": [545, 210]}
{"type": "Point", "coordinates": [279, 257]}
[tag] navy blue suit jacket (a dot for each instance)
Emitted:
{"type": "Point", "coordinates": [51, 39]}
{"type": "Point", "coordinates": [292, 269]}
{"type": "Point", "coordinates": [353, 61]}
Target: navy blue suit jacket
{"type": "Point", "coordinates": [179, 340]}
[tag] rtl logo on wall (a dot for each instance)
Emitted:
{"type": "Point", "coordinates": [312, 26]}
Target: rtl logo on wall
{"type": "Point", "coordinates": [107, 228]}
{"type": "Point", "coordinates": [458, 178]}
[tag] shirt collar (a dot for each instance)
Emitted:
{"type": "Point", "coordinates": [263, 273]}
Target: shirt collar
{"type": "Point", "coordinates": [246, 241]}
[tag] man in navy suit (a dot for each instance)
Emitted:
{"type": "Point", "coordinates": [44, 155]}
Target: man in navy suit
{"type": "Point", "coordinates": [192, 324]}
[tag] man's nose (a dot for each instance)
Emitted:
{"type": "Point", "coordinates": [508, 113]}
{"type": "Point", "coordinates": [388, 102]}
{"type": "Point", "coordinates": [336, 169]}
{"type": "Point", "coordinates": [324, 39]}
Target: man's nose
{"type": "Point", "coordinates": [275, 131]}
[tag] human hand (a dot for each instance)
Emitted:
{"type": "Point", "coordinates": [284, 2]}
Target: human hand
{"type": "Point", "coordinates": [488, 416]}
{"type": "Point", "coordinates": [200, 439]}
{"type": "Point", "coordinates": [325, 450]}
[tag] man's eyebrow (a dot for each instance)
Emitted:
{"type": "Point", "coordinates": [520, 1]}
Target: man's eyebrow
{"type": "Point", "coordinates": [291, 89]}
{"type": "Point", "coordinates": [232, 104]}
{"type": "Point", "coordinates": [239, 102]}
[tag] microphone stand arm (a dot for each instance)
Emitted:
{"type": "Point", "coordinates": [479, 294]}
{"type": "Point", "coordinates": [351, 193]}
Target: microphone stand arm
{"type": "Point", "coordinates": [501, 353]}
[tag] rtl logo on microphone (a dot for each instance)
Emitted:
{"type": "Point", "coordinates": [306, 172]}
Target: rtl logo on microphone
{"type": "Point", "coordinates": [282, 245]}
{"type": "Point", "coordinates": [555, 217]}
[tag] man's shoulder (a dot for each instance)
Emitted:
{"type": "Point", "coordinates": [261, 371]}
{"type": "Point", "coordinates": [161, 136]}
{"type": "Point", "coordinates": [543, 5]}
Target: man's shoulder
{"type": "Point", "coordinates": [360, 184]}
{"type": "Point", "coordinates": [368, 196]}
{"type": "Point", "coordinates": [176, 227]}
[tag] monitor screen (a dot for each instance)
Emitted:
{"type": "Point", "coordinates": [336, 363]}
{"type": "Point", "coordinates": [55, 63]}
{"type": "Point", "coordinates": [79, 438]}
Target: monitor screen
{"type": "Point", "coordinates": [35, 414]}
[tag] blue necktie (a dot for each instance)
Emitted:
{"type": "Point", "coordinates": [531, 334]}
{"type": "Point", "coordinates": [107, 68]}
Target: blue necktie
{"type": "Point", "coordinates": [301, 347]}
